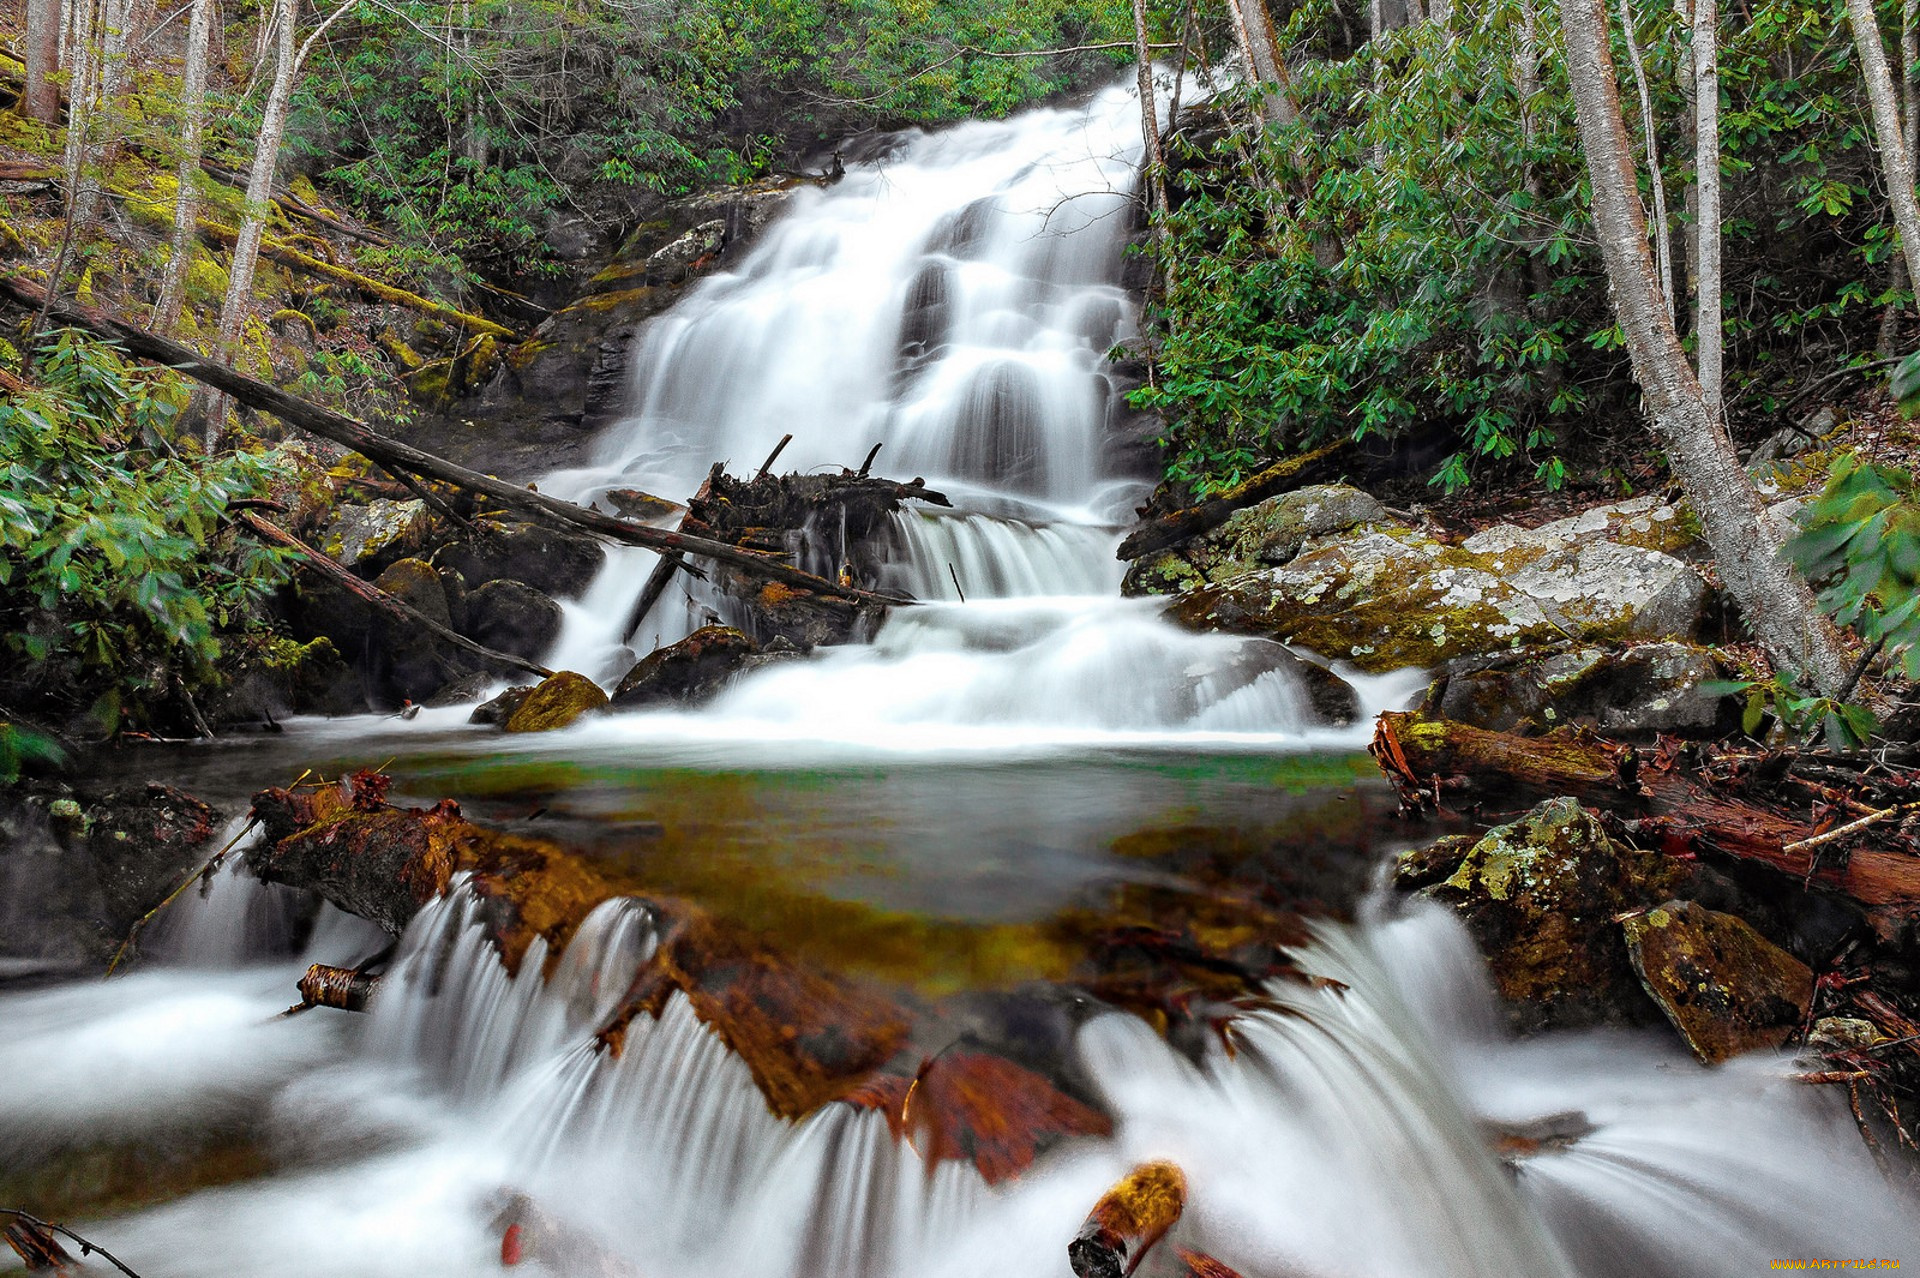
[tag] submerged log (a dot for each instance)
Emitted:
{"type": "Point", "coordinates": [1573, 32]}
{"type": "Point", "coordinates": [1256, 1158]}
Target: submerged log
{"type": "Point", "coordinates": [1128, 1220]}
{"type": "Point", "coordinates": [345, 989]}
{"type": "Point", "coordinates": [356, 435]}
{"type": "Point", "coordinates": [1163, 531]}
{"type": "Point", "coordinates": [1668, 802]}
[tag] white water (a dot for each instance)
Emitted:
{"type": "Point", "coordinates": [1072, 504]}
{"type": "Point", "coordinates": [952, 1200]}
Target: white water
{"type": "Point", "coordinates": [1344, 1136]}
{"type": "Point", "coordinates": [956, 304]}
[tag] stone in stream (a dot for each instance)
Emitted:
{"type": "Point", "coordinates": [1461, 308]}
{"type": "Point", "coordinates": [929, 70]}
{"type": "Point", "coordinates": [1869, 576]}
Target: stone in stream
{"type": "Point", "coordinates": [368, 538]}
{"type": "Point", "coordinates": [686, 673]}
{"type": "Point", "coordinates": [407, 657]}
{"type": "Point", "coordinates": [1128, 1220]}
{"type": "Point", "coordinates": [1726, 988]}
{"type": "Point", "coordinates": [1541, 896]}
{"type": "Point", "coordinates": [511, 616]}
{"type": "Point", "coordinates": [1262, 535]}
{"type": "Point", "coordinates": [496, 712]}
{"type": "Point", "coordinates": [557, 702]}
{"type": "Point", "coordinates": [554, 562]}
{"type": "Point", "coordinates": [1633, 693]}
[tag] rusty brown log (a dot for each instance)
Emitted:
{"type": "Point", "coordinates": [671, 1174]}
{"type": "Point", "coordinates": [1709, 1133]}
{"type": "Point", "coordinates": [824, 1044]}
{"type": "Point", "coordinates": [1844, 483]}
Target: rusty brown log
{"type": "Point", "coordinates": [1671, 806]}
{"type": "Point", "coordinates": [356, 435]}
{"type": "Point", "coordinates": [1181, 525]}
{"type": "Point", "coordinates": [1128, 1220]}
{"type": "Point", "coordinates": [1201, 1265]}
{"type": "Point", "coordinates": [669, 561]}
{"type": "Point", "coordinates": [344, 989]}
{"type": "Point", "coordinates": [380, 599]}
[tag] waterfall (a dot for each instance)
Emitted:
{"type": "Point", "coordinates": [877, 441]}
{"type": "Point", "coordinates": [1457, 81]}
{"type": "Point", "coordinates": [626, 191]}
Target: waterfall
{"type": "Point", "coordinates": [954, 303]}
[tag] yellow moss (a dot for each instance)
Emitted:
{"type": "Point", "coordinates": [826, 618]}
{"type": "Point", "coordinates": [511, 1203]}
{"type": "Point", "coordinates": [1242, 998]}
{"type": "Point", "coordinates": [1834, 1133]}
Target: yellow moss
{"type": "Point", "coordinates": [289, 316]}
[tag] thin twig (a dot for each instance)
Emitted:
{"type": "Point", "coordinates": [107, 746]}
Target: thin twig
{"type": "Point", "coordinates": [213, 863]}
{"type": "Point", "coordinates": [1813, 842]}
{"type": "Point", "coordinates": [87, 1247]}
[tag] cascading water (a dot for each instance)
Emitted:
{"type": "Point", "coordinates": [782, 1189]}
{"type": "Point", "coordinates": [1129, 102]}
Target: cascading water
{"type": "Point", "coordinates": [955, 303]}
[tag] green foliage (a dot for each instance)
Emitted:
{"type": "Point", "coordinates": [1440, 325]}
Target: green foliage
{"type": "Point", "coordinates": [1413, 257]}
{"type": "Point", "coordinates": [1409, 252]}
{"type": "Point", "coordinates": [114, 573]}
{"type": "Point", "coordinates": [1859, 543]}
{"type": "Point", "coordinates": [22, 747]}
{"type": "Point", "coordinates": [472, 129]}
{"type": "Point", "coordinates": [1843, 724]}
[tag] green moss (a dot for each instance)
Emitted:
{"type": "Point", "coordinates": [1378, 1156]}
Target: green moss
{"type": "Point", "coordinates": [557, 702]}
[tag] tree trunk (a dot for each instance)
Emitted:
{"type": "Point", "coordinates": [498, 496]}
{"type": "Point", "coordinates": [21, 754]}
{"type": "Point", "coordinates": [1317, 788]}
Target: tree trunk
{"type": "Point", "coordinates": [1777, 605]}
{"type": "Point", "coordinates": [186, 209]}
{"type": "Point", "coordinates": [1888, 130]}
{"type": "Point", "coordinates": [1662, 225]}
{"type": "Point", "coordinates": [41, 102]}
{"type": "Point", "coordinates": [1706, 177]}
{"type": "Point", "coordinates": [118, 37]}
{"type": "Point", "coordinates": [266, 155]}
{"type": "Point", "coordinates": [1149, 115]}
{"type": "Point", "coordinates": [1260, 51]}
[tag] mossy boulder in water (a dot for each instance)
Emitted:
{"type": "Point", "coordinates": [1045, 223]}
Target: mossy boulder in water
{"type": "Point", "coordinates": [557, 702]}
{"type": "Point", "coordinates": [1726, 988]}
{"type": "Point", "coordinates": [495, 713]}
{"type": "Point", "coordinates": [1541, 896]}
{"type": "Point", "coordinates": [410, 659]}
{"type": "Point", "coordinates": [556, 562]}
{"type": "Point", "coordinates": [368, 538]}
{"type": "Point", "coordinates": [686, 673]}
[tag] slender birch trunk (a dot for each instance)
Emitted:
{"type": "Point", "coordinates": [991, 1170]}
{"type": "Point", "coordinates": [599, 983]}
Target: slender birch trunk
{"type": "Point", "coordinates": [266, 157]}
{"type": "Point", "coordinates": [1260, 52]}
{"type": "Point", "coordinates": [1777, 605]}
{"type": "Point", "coordinates": [41, 101]}
{"type": "Point", "coordinates": [1149, 114]}
{"type": "Point", "coordinates": [1706, 177]}
{"type": "Point", "coordinates": [1888, 130]}
{"type": "Point", "coordinates": [1663, 227]}
{"type": "Point", "coordinates": [186, 208]}
{"type": "Point", "coordinates": [1898, 280]}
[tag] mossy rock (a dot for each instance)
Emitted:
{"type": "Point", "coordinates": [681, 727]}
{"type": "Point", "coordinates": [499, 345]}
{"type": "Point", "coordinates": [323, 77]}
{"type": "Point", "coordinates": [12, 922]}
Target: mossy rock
{"type": "Point", "coordinates": [1541, 896]}
{"type": "Point", "coordinates": [1726, 988]}
{"type": "Point", "coordinates": [207, 280]}
{"type": "Point", "coordinates": [558, 702]}
{"type": "Point", "coordinates": [689, 672]}
{"type": "Point", "coordinates": [511, 616]}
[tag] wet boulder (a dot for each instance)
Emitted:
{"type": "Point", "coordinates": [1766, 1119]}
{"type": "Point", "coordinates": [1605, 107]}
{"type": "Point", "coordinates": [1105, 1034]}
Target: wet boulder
{"type": "Point", "coordinates": [1633, 693]}
{"type": "Point", "coordinates": [413, 661]}
{"type": "Point", "coordinates": [495, 713]}
{"type": "Point", "coordinates": [269, 679]}
{"type": "Point", "coordinates": [1541, 896]}
{"type": "Point", "coordinates": [511, 616]}
{"type": "Point", "coordinates": [1726, 988]}
{"type": "Point", "coordinates": [557, 702]}
{"type": "Point", "coordinates": [556, 562]}
{"type": "Point", "coordinates": [368, 538]}
{"type": "Point", "coordinates": [686, 673]}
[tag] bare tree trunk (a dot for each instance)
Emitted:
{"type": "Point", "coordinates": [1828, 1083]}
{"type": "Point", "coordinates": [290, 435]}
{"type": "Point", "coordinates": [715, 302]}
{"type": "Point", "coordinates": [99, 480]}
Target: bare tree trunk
{"type": "Point", "coordinates": [1777, 605]}
{"type": "Point", "coordinates": [1260, 51]}
{"type": "Point", "coordinates": [1898, 280]}
{"type": "Point", "coordinates": [1149, 114]}
{"type": "Point", "coordinates": [186, 209]}
{"type": "Point", "coordinates": [246, 248]}
{"type": "Point", "coordinates": [1706, 177]}
{"type": "Point", "coordinates": [1663, 227]}
{"type": "Point", "coordinates": [1888, 130]}
{"type": "Point", "coordinates": [41, 102]}
{"type": "Point", "coordinates": [1687, 268]}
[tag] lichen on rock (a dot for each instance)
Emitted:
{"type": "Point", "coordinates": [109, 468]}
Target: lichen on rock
{"type": "Point", "coordinates": [1726, 988]}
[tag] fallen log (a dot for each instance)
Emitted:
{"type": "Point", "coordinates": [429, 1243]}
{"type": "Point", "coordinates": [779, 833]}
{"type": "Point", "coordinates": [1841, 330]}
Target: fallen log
{"type": "Point", "coordinates": [305, 263]}
{"type": "Point", "coordinates": [1128, 1220]}
{"type": "Point", "coordinates": [1181, 525]}
{"type": "Point", "coordinates": [356, 435]}
{"type": "Point", "coordinates": [1201, 1265]}
{"type": "Point", "coordinates": [1667, 804]}
{"type": "Point", "coordinates": [344, 989]}
{"type": "Point", "coordinates": [378, 598]}
{"type": "Point", "coordinates": [663, 571]}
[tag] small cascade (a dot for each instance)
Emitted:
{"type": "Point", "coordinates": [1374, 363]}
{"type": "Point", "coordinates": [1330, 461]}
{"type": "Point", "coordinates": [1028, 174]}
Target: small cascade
{"type": "Point", "coordinates": [937, 557]}
{"type": "Point", "coordinates": [449, 1005]}
{"type": "Point", "coordinates": [230, 917]}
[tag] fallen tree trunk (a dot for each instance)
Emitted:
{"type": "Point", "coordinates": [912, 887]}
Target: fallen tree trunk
{"type": "Point", "coordinates": [372, 594]}
{"type": "Point", "coordinates": [1128, 1220]}
{"type": "Point", "coordinates": [1181, 525]}
{"type": "Point", "coordinates": [293, 258]}
{"type": "Point", "coordinates": [1666, 803]}
{"type": "Point", "coordinates": [356, 435]}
